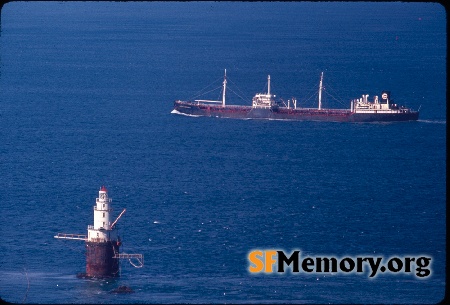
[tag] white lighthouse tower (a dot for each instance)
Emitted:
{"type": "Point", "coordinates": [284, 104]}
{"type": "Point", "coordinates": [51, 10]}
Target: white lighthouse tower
{"type": "Point", "coordinates": [103, 241]}
{"type": "Point", "coordinates": [103, 230]}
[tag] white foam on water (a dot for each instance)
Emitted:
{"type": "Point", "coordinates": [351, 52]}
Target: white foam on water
{"type": "Point", "coordinates": [433, 121]}
{"type": "Point", "coordinates": [181, 113]}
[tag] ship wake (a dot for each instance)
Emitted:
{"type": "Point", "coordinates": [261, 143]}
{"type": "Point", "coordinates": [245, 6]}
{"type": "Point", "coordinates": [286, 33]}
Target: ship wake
{"type": "Point", "coordinates": [433, 121]}
{"type": "Point", "coordinates": [185, 114]}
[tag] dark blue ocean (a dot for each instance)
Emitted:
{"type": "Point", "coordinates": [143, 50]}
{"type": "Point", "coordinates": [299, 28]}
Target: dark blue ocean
{"type": "Point", "coordinates": [87, 90]}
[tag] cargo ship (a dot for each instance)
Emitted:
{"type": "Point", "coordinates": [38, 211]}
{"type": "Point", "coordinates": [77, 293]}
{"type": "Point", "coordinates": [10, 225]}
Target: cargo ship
{"type": "Point", "coordinates": [264, 106]}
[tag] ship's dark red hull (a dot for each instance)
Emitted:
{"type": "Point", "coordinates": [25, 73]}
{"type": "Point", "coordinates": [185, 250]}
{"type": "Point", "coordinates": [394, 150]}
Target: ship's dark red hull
{"type": "Point", "coordinates": [300, 114]}
{"type": "Point", "coordinates": [99, 260]}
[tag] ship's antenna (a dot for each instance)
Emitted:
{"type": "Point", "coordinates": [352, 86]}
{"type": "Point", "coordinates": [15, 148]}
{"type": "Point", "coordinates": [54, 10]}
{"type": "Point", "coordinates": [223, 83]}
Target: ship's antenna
{"type": "Point", "coordinates": [224, 87]}
{"type": "Point", "coordinates": [320, 91]}
{"type": "Point", "coordinates": [268, 84]}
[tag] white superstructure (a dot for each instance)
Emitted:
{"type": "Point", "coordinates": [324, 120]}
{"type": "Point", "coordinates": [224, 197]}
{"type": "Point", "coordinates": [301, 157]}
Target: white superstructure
{"type": "Point", "coordinates": [264, 100]}
{"type": "Point", "coordinates": [383, 105]}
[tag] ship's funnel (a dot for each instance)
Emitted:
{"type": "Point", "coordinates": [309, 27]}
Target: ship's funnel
{"type": "Point", "coordinates": [385, 97]}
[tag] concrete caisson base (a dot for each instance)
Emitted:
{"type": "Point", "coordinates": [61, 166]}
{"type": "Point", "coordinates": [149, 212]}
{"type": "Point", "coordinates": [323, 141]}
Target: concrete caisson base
{"type": "Point", "coordinates": [99, 259]}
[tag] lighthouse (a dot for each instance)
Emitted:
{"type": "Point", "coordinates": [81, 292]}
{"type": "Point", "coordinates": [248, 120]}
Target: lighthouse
{"type": "Point", "coordinates": [103, 241]}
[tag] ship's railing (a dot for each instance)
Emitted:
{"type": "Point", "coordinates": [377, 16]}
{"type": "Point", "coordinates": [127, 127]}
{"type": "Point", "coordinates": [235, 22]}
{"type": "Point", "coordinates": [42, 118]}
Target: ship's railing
{"type": "Point", "coordinates": [380, 111]}
{"type": "Point", "coordinates": [208, 101]}
{"type": "Point", "coordinates": [316, 111]}
{"type": "Point", "coordinates": [227, 107]}
{"type": "Point", "coordinates": [205, 105]}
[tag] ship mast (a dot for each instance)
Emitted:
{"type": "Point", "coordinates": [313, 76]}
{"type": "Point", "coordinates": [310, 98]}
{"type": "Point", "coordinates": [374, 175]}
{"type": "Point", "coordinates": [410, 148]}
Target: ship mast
{"type": "Point", "coordinates": [224, 87]}
{"type": "Point", "coordinates": [268, 84]}
{"type": "Point", "coordinates": [320, 91]}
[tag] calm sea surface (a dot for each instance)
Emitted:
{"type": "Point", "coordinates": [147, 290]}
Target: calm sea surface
{"type": "Point", "coordinates": [87, 91]}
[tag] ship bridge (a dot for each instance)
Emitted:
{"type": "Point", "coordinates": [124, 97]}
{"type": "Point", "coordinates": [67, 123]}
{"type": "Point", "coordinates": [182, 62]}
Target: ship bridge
{"type": "Point", "coordinates": [264, 100]}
